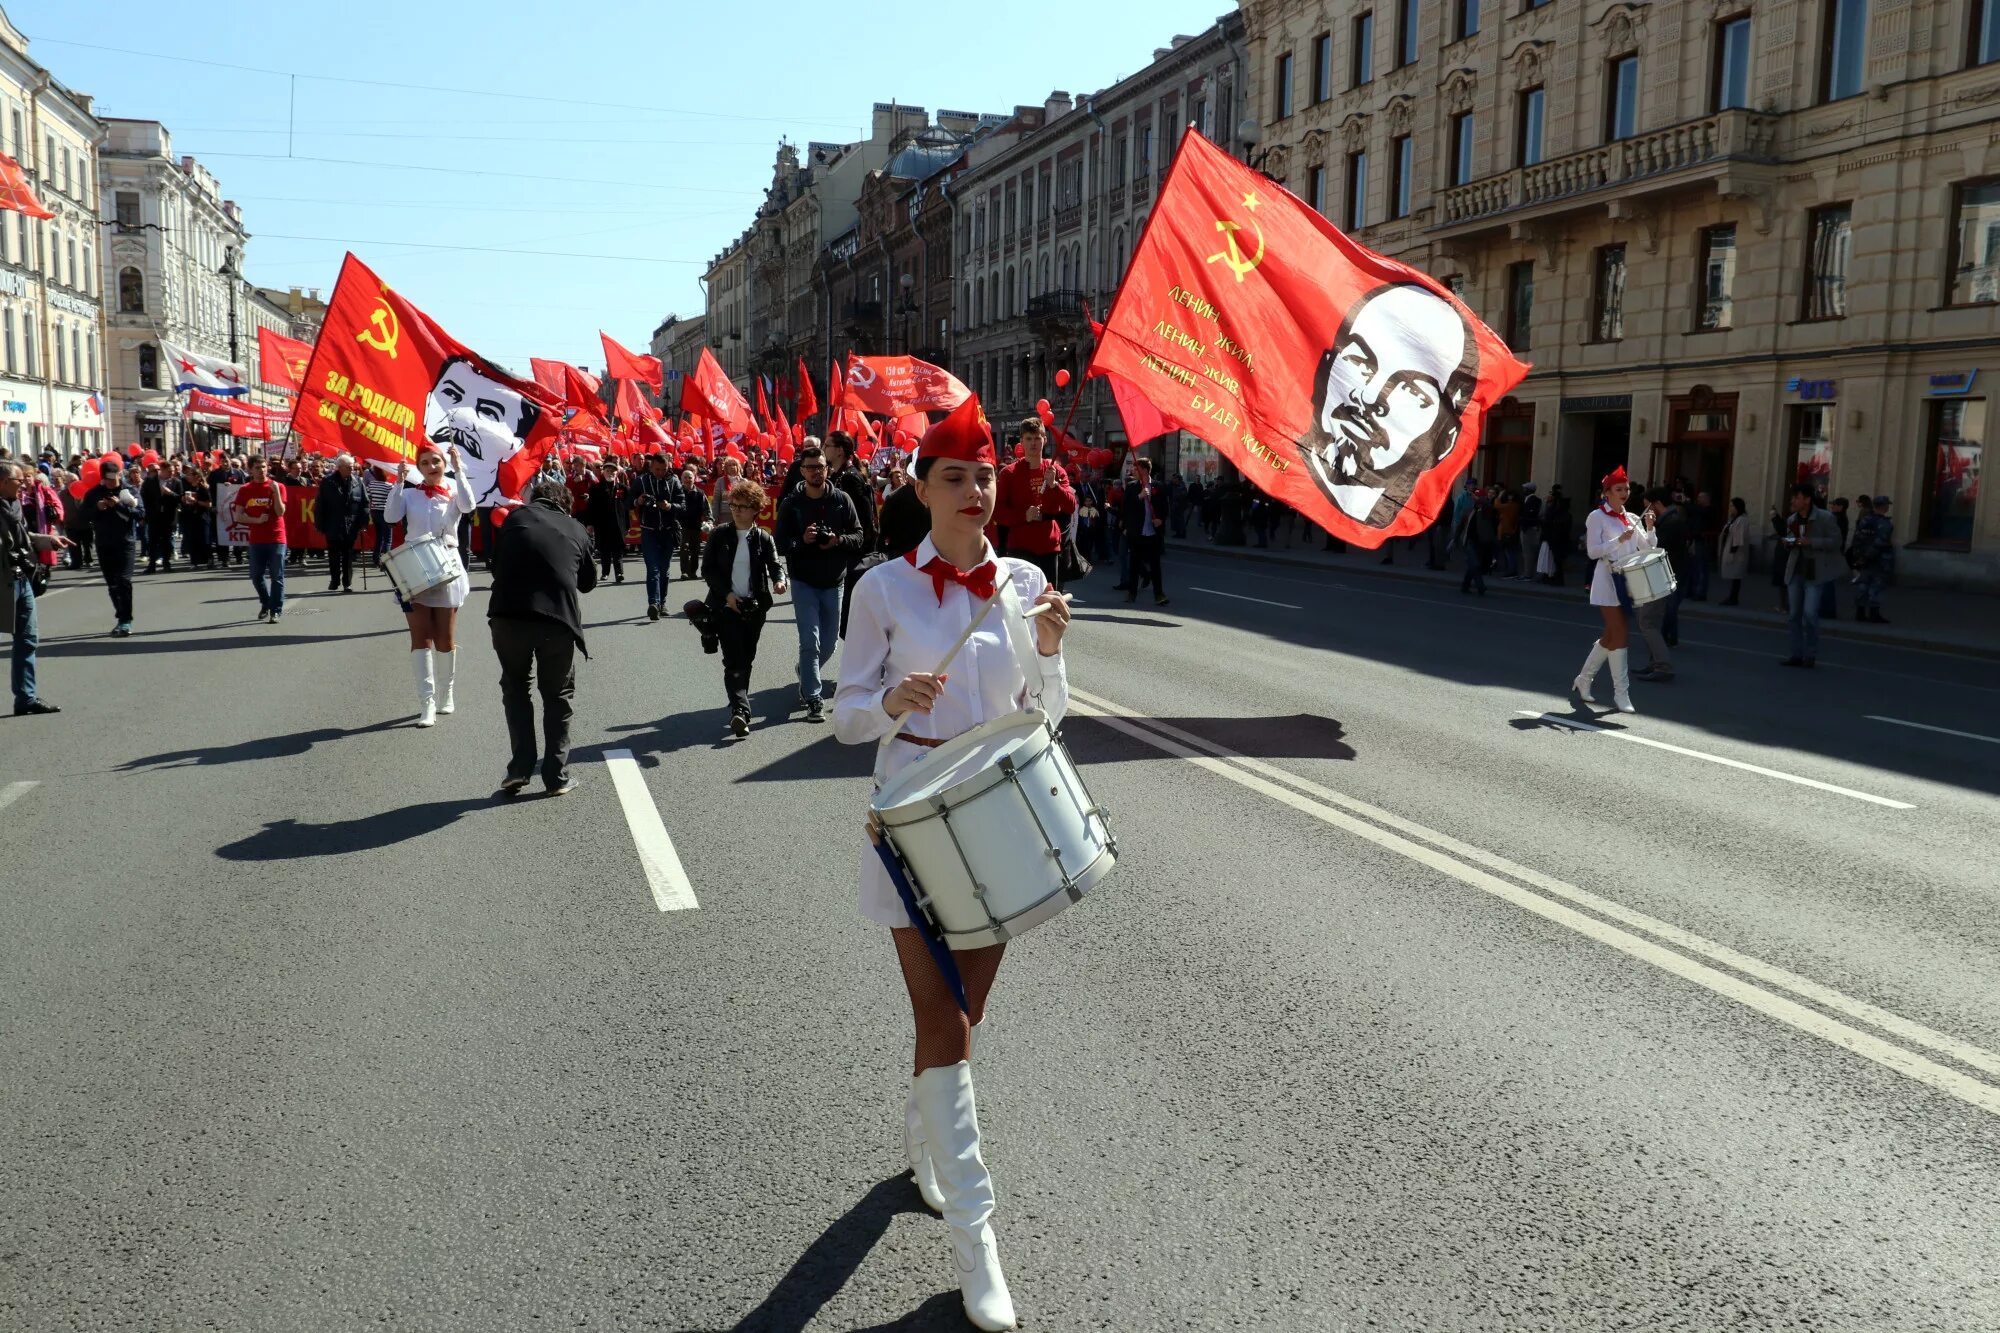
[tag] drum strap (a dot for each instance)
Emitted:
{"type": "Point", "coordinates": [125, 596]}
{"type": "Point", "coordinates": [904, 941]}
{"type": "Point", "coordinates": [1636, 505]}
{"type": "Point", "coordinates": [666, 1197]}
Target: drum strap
{"type": "Point", "coordinates": [940, 951]}
{"type": "Point", "coordinates": [1019, 640]}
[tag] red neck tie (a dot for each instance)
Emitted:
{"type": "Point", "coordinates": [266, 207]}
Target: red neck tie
{"type": "Point", "coordinates": [435, 492]}
{"type": "Point", "coordinates": [979, 582]}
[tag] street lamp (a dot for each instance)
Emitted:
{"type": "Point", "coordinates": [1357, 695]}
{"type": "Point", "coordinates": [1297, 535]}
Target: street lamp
{"type": "Point", "coordinates": [230, 271]}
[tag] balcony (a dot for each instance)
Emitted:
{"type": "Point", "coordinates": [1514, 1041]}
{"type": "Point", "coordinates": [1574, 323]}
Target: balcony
{"type": "Point", "coordinates": [1729, 149]}
{"type": "Point", "coordinates": [862, 312]}
{"type": "Point", "coordinates": [1068, 217]}
{"type": "Point", "coordinates": [1142, 189]}
{"type": "Point", "coordinates": [1117, 201]}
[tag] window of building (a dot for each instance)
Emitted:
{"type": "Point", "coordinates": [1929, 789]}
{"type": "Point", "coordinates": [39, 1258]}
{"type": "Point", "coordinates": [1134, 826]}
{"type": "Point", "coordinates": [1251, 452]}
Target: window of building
{"type": "Point", "coordinates": [65, 170]}
{"type": "Point", "coordinates": [76, 353]}
{"type": "Point", "coordinates": [62, 355]}
{"type": "Point", "coordinates": [1828, 242]}
{"type": "Point", "coordinates": [69, 262]}
{"type": "Point", "coordinates": [1535, 4]}
{"type": "Point", "coordinates": [1608, 295]}
{"type": "Point", "coordinates": [1198, 114]}
{"type": "Point", "coordinates": [1716, 279]}
{"type": "Point", "coordinates": [48, 157]}
{"type": "Point", "coordinates": [1402, 160]}
{"type": "Point", "coordinates": [1975, 243]}
{"type": "Point", "coordinates": [1528, 127]}
{"type": "Point", "coordinates": [1118, 156]}
{"type": "Point", "coordinates": [28, 366]}
{"type": "Point", "coordinates": [1729, 82]}
{"type": "Point", "coordinates": [1983, 43]}
{"type": "Point", "coordinates": [1621, 99]}
{"type": "Point", "coordinates": [1361, 67]}
{"type": "Point", "coordinates": [1281, 88]}
{"type": "Point", "coordinates": [1322, 77]}
{"type": "Point", "coordinates": [1146, 151]}
{"type": "Point", "coordinates": [1465, 19]}
{"type": "Point", "coordinates": [1316, 189]}
{"type": "Point", "coordinates": [1520, 303]}
{"type": "Point", "coordinates": [87, 280]}
{"type": "Point", "coordinates": [1957, 430]}
{"type": "Point", "coordinates": [1455, 284]}
{"type": "Point", "coordinates": [90, 346]}
{"type": "Point", "coordinates": [1461, 148]}
{"type": "Point", "coordinates": [1843, 34]}
{"type": "Point", "coordinates": [1406, 32]}
{"type": "Point", "coordinates": [131, 291]}
{"type": "Point", "coordinates": [1357, 191]}
{"type": "Point", "coordinates": [7, 325]}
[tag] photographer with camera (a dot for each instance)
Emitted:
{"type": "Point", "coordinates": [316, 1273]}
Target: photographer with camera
{"type": "Point", "coordinates": [819, 535]}
{"type": "Point", "coordinates": [657, 499]}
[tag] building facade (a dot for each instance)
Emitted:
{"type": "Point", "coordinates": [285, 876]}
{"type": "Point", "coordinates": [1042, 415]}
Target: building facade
{"type": "Point", "coordinates": [1741, 243]}
{"type": "Point", "coordinates": [173, 260]}
{"type": "Point", "coordinates": [52, 372]}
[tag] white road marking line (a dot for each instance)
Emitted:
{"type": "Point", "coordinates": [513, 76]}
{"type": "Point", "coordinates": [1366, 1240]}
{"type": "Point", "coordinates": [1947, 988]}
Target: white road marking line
{"type": "Point", "coordinates": [671, 889]}
{"type": "Point", "coordinates": [1574, 725]}
{"type": "Point", "coordinates": [1925, 726]}
{"type": "Point", "coordinates": [1769, 973]}
{"type": "Point", "coordinates": [1217, 592]}
{"type": "Point", "coordinates": [14, 791]}
{"type": "Point", "coordinates": [1972, 1091]}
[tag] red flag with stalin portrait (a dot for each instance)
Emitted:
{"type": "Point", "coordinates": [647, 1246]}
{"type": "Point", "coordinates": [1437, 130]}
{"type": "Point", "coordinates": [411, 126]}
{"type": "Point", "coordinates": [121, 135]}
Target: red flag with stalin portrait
{"type": "Point", "coordinates": [384, 378]}
{"type": "Point", "coordinates": [280, 360]}
{"type": "Point", "coordinates": [1348, 385]}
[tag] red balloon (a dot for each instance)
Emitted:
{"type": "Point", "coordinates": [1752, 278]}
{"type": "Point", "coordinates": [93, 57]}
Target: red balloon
{"type": "Point", "coordinates": [149, 458]}
{"type": "Point", "coordinates": [131, 451]}
{"type": "Point", "coordinates": [1042, 407]}
{"type": "Point", "coordinates": [1062, 379]}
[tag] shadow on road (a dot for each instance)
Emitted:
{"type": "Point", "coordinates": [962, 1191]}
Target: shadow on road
{"type": "Point", "coordinates": [109, 647]}
{"type": "Point", "coordinates": [291, 840]}
{"type": "Point", "coordinates": [831, 1260]}
{"type": "Point", "coordinates": [1298, 736]}
{"type": "Point", "coordinates": [261, 747]}
{"type": "Point", "coordinates": [1130, 618]}
{"type": "Point", "coordinates": [824, 758]}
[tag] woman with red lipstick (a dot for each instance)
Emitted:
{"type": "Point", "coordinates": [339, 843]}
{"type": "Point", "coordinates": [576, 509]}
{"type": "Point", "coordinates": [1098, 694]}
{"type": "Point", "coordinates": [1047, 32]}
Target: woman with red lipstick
{"type": "Point", "coordinates": [907, 614]}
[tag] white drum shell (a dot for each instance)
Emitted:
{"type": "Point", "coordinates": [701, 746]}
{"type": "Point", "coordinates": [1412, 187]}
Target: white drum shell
{"type": "Point", "coordinates": [980, 848]}
{"type": "Point", "coordinates": [418, 566]}
{"type": "Point", "coordinates": [1649, 576]}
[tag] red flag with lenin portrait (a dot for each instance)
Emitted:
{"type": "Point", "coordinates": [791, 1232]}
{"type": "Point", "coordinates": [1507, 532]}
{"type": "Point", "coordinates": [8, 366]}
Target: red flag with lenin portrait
{"type": "Point", "coordinates": [1348, 385]}
{"type": "Point", "coordinates": [384, 378]}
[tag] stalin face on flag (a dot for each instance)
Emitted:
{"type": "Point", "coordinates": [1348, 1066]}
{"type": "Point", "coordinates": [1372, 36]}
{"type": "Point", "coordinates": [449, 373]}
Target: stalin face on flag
{"type": "Point", "coordinates": [1348, 385]}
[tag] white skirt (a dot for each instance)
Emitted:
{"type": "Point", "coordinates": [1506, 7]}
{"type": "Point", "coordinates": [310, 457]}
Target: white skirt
{"type": "Point", "coordinates": [450, 595]}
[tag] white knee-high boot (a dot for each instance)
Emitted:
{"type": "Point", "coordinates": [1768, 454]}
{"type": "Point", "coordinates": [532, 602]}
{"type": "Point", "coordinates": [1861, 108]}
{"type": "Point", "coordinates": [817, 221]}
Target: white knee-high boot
{"type": "Point", "coordinates": [920, 1157]}
{"type": "Point", "coordinates": [420, 667]}
{"type": "Point", "coordinates": [1588, 676]}
{"type": "Point", "coordinates": [1621, 686]}
{"type": "Point", "coordinates": [447, 668]}
{"type": "Point", "coordinates": [951, 1135]}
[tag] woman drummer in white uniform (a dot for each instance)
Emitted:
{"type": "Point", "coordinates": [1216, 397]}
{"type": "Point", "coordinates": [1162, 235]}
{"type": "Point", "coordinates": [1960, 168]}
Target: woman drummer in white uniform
{"type": "Point", "coordinates": [906, 615]}
{"type": "Point", "coordinates": [431, 508]}
{"type": "Point", "coordinates": [1611, 535]}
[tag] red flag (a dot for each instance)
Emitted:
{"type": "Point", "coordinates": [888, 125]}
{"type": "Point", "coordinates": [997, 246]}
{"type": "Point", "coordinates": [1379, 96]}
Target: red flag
{"type": "Point", "coordinates": [548, 374]}
{"type": "Point", "coordinates": [781, 430]}
{"type": "Point", "coordinates": [763, 405]}
{"type": "Point", "coordinates": [897, 385]}
{"type": "Point", "coordinates": [1348, 385]}
{"type": "Point", "coordinates": [571, 386]}
{"type": "Point", "coordinates": [805, 404]}
{"type": "Point", "coordinates": [1142, 420]}
{"type": "Point", "coordinates": [710, 392]}
{"type": "Point", "coordinates": [620, 364]}
{"type": "Point", "coordinates": [16, 193]}
{"type": "Point", "coordinates": [638, 418]}
{"type": "Point", "coordinates": [836, 380]}
{"type": "Point", "coordinates": [384, 377]}
{"type": "Point", "coordinates": [280, 360]}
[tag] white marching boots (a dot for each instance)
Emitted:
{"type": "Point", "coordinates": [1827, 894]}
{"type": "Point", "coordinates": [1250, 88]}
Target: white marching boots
{"type": "Point", "coordinates": [1621, 687]}
{"type": "Point", "coordinates": [951, 1138]}
{"type": "Point", "coordinates": [1588, 676]}
{"type": "Point", "coordinates": [447, 668]}
{"type": "Point", "coordinates": [420, 667]}
{"type": "Point", "coordinates": [920, 1157]}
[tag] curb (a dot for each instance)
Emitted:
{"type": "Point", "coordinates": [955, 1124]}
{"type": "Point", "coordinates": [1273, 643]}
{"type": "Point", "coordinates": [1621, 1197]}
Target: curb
{"type": "Point", "coordinates": [1533, 592]}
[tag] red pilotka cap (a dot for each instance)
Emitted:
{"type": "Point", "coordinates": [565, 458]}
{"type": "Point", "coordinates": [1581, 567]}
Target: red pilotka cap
{"type": "Point", "coordinates": [1615, 477]}
{"type": "Point", "coordinates": [965, 435]}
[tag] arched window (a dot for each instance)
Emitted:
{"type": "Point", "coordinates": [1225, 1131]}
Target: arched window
{"type": "Point", "coordinates": [1045, 272]}
{"type": "Point", "coordinates": [131, 291]}
{"type": "Point", "coordinates": [993, 296]}
{"type": "Point", "coordinates": [149, 366]}
{"type": "Point", "coordinates": [979, 305]}
{"type": "Point", "coordinates": [1013, 295]}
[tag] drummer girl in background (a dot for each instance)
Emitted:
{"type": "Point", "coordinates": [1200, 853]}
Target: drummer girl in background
{"type": "Point", "coordinates": [432, 508]}
{"type": "Point", "coordinates": [907, 614]}
{"type": "Point", "coordinates": [1610, 535]}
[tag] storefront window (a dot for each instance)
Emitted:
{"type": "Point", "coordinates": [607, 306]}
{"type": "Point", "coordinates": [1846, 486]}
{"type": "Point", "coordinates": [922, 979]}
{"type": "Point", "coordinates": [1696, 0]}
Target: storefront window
{"type": "Point", "coordinates": [1812, 446]}
{"type": "Point", "coordinates": [1951, 490]}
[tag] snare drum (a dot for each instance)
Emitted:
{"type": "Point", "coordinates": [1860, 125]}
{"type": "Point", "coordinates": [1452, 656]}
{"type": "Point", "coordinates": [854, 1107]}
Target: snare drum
{"type": "Point", "coordinates": [996, 830]}
{"type": "Point", "coordinates": [1649, 576]}
{"type": "Point", "coordinates": [418, 566]}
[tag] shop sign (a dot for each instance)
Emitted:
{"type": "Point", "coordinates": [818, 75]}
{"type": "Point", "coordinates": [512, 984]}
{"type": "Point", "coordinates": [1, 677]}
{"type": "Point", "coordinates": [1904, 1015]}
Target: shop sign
{"type": "Point", "coordinates": [15, 406]}
{"type": "Point", "coordinates": [1952, 383]}
{"type": "Point", "coordinates": [1602, 402]}
{"type": "Point", "coordinates": [12, 283]}
{"type": "Point", "coordinates": [73, 305]}
{"type": "Point", "coordinates": [1810, 390]}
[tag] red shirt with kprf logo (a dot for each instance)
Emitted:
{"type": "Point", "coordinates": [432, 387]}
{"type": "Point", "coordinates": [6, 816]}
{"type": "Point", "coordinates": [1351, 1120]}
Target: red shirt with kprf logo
{"type": "Point", "coordinates": [260, 508]}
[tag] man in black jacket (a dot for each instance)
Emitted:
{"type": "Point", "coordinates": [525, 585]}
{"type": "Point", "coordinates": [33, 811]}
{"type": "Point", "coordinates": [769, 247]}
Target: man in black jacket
{"type": "Point", "coordinates": [694, 517]}
{"type": "Point", "coordinates": [1143, 514]}
{"type": "Point", "coordinates": [112, 511]}
{"type": "Point", "coordinates": [819, 536]}
{"type": "Point", "coordinates": [846, 476]}
{"type": "Point", "coordinates": [160, 494]}
{"type": "Point", "coordinates": [656, 495]}
{"type": "Point", "coordinates": [541, 561]}
{"type": "Point", "coordinates": [340, 512]}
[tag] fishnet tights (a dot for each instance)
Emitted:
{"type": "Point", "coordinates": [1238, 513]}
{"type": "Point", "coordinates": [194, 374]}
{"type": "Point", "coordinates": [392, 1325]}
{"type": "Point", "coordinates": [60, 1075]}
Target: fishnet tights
{"type": "Point", "coordinates": [944, 1032]}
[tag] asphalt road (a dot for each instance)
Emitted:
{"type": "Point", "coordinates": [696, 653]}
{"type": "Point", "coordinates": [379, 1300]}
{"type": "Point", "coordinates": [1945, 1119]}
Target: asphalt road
{"type": "Point", "coordinates": [1407, 1008]}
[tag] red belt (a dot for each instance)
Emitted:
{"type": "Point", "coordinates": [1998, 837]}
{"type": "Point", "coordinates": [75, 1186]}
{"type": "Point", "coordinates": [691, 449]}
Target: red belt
{"type": "Point", "coordinates": [927, 742]}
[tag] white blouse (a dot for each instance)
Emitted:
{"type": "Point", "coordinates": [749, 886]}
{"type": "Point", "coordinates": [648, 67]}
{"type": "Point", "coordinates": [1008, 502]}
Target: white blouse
{"type": "Point", "coordinates": [895, 627]}
{"type": "Point", "coordinates": [1607, 539]}
{"type": "Point", "coordinates": [424, 515]}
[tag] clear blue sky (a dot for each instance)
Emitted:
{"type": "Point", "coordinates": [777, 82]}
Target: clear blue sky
{"type": "Point", "coordinates": [691, 101]}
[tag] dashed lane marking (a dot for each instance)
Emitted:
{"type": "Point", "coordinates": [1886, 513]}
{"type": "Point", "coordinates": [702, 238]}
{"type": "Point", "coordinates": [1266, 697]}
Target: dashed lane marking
{"type": "Point", "coordinates": [671, 890]}
{"type": "Point", "coordinates": [14, 791]}
{"type": "Point", "coordinates": [1217, 592]}
{"type": "Point", "coordinates": [1925, 726]}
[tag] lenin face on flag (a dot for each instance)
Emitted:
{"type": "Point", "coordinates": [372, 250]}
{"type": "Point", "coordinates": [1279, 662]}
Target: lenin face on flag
{"type": "Point", "coordinates": [1388, 400]}
{"type": "Point", "coordinates": [486, 418]}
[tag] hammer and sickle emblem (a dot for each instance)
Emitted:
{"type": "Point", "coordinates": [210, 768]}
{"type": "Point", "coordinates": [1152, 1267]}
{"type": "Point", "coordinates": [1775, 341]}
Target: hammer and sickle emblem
{"type": "Point", "coordinates": [384, 330]}
{"type": "Point", "coordinates": [1233, 256]}
{"type": "Point", "coordinates": [861, 375]}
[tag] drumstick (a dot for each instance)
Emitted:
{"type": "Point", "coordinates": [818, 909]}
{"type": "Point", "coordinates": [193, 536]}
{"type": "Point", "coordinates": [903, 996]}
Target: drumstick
{"type": "Point", "coordinates": [977, 616]}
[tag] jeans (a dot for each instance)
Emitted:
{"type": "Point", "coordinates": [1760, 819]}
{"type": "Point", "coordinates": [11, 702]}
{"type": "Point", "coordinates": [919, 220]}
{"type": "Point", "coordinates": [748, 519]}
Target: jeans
{"type": "Point", "coordinates": [1670, 616]}
{"type": "Point", "coordinates": [739, 634]}
{"type": "Point", "coordinates": [690, 552]}
{"type": "Point", "coordinates": [267, 574]}
{"type": "Point", "coordinates": [657, 546]}
{"type": "Point", "coordinates": [1650, 617]}
{"type": "Point", "coordinates": [1804, 597]}
{"type": "Point", "coordinates": [381, 530]}
{"type": "Point", "coordinates": [524, 648]}
{"type": "Point", "coordinates": [27, 637]}
{"type": "Point", "coordinates": [818, 614]}
{"type": "Point", "coordinates": [117, 562]}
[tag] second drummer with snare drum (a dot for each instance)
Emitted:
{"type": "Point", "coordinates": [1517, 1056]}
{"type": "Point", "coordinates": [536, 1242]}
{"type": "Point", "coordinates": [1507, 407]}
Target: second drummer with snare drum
{"type": "Point", "coordinates": [429, 510]}
{"type": "Point", "coordinates": [908, 613]}
{"type": "Point", "coordinates": [1611, 535]}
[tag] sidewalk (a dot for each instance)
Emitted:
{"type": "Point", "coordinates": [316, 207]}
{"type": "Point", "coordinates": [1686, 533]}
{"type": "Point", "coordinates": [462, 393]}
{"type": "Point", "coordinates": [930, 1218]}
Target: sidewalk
{"type": "Point", "coordinates": [1928, 618]}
